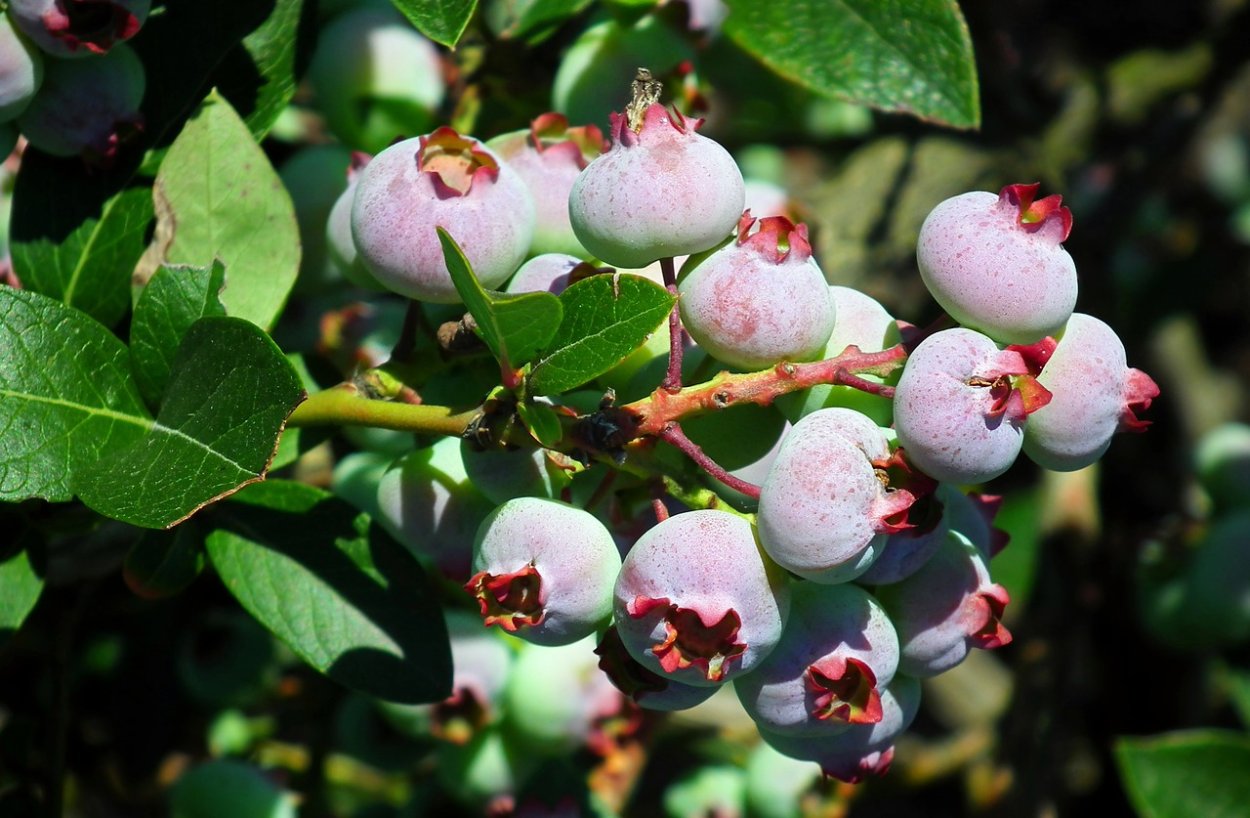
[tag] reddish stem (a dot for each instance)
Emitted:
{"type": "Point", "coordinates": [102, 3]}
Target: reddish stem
{"type": "Point", "coordinates": [674, 435]}
{"type": "Point", "coordinates": [656, 412]}
{"type": "Point", "coordinates": [672, 380]}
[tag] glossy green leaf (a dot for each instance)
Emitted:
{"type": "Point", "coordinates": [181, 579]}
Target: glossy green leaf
{"type": "Point", "coordinates": [443, 21]}
{"type": "Point", "coordinates": [909, 56]}
{"type": "Point", "coordinates": [336, 589]}
{"type": "Point", "coordinates": [228, 397]}
{"type": "Point", "coordinates": [77, 236]}
{"type": "Point", "coordinates": [66, 396]}
{"type": "Point", "coordinates": [1187, 774]}
{"type": "Point", "coordinates": [606, 317]}
{"type": "Point", "coordinates": [258, 76]}
{"type": "Point", "coordinates": [542, 421]}
{"type": "Point", "coordinates": [172, 301]}
{"type": "Point", "coordinates": [21, 582]}
{"type": "Point", "coordinates": [514, 326]}
{"type": "Point", "coordinates": [162, 563]}
{"type": "Point", "coordinates": [217, 197]}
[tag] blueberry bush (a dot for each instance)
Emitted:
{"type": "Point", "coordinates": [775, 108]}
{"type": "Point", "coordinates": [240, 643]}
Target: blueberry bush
{"type": "Point", "coordinates": [624, 408]}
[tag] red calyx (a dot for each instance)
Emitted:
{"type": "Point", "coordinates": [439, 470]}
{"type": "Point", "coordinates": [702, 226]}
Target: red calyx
{"type": "Point", "coordinates": [656, 116]}
{"type": "Point", "coordinates": [987, 505]}
{"type": "Point", "coordinates": [846, 691]}
{"type": "Point", "coordinates": [775, 237]}
{"type": "Point", "coordinates": [455, 162]}
{"type": "Point", "coordinates": [623, 671]}
{"type": "Point", "coordinates": [511, 601]}
{"type": "Point", "coordinates": [551, 132]}
{"type": "Point", "coordinates": [1036, 355]}
{"type": "Point", "coordinates": [1036, 215]}
{"type": "Point", "coordinates": [692, 642]}
{"type": "Point", "coordinates": [989, 605]}
{"type": "Point", "coordinates": [96, 25]}
{"type": "Point", "coordinates": [1139, 391]}
{"type": "Point", "coordinates": [460, 716]}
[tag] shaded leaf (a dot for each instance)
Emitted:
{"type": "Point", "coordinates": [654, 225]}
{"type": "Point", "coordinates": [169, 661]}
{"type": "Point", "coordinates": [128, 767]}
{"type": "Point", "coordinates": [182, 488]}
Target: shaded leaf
{"type": "Point", "coordinates": [77, 237]}
{"type": "Point", "coordinates": [217, 197]}
{"type": "Point", "coordinates": [66, 396]}
{"type": "Point", "coordinates": [542, 421]}
{"type": "Point", "coordinates": [443, 21]}
{"type": "Point", "coordinates": [514, 326]}
{"type": "Point", "coordinates": [336, 589]}
{"type": "Point", "coordinates": [258, 76]}
{"type": "Point", "coordinates": [163, 563]}
{"type": "Point", "coordinates": [606, 317]}
{"type": "Point", "coordinates": [230, 393]}
{"type": "Point", "coordinates": [172, 301]}
{"type": "Point", "coordinates": [1185, 774]}
{"type": "Point", "coordinates": [909, 56]}
{"type": "Point", "coordinates": [540, 16]}
{"type": "Point", "coordinates": [21, 582]}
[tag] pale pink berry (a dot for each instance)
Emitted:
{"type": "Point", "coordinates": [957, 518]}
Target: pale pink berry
{"type": "Point", "coordinates": [824, 512]}
{"type": "Point", "coordinates": [697, 601]}
{"type": "Point", "coordinates": [658, 192]}
{"type": "Point", "coordinates": [79, 28]}
{"type": "Point", "coordinates": [548, 273]}
{"type": "Point", "coordinates": [1094, 394]}
{"type": "Point", "coordinates": [837, 653]}
{"type": "Point", "coordinates": [961, 404]}
{"type": "Point", "coordinates": [759, 299]}
{"type": "Point", "coordinates": [946, 608]}
{"type": "Point", "coordinates": [549, 157]}
{"type": "Point", "coordinates": [443, 180]}
{"type": "Point", "coordinates": [861, 750]}
{"type": "Point", "coordinates": [545, 571]}
{"type": "Point", "coordinates": [997, 264]}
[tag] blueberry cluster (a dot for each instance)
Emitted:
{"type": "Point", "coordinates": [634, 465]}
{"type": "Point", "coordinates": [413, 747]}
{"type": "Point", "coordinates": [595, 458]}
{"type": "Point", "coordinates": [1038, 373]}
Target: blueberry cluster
{"type": "Point", "coordinates": [68, 81]}
{"type": "Point", "coordinates": [865, 565]}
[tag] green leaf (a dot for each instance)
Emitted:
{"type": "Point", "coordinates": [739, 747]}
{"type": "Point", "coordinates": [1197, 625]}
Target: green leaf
{"type": "Point", "coordinates": [541, 16]}
{"type": "Point", "coordinates": [258, 75]}
{"type": "Point", "coordinates": [77, 237]}
{"type": "Point", "coordinates": [66, 396]}
{"type": "Point", "coordinates": [217, 197]}
{"type": "Point", "coordinates": [21, 582]}
{"type": "Point", "coordinates": [163, 563]}
{"type": "Point", "coordinates": [336, 589]}
{"type": "Point", "coordinates": [172, 301]}
{"type": "Point", "coordinates": [542, 421]}
{"type": "Point", "coordinates": [443, 21]}
{"type": "Point", "coordinates": [1187, 774]}
{"type": "Point", "coordinates": [606, 317]}
{"type": "Point", "coordinates": [228, 398]}
{"type": "Point", "coordinates": [514, 326]}
{"type": "Point", "coordinates": [910, 56]}
{"type": "Point", "coordinates": [1015, 567]}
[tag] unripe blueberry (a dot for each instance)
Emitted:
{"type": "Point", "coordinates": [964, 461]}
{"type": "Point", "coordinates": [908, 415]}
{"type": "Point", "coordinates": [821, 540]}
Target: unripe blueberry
{"type": "Point", "coordinates": [906, 551]}
{"type": "Point", "coordinates": [21, 71]}
{"type": "Point", "coordinates": [862, 322]}
{"type": "Point", "coordinates": [946, 608]}
{"type": "Point", "coordinates": [315, 177]}
{"type": "Point", "coordinates": [1222, 461]}
{"type": "Point", "coordinates": [482, 664]}
{"type": "Point", "coordinates": [861, 750]}
{"type": "Point", "coordinates": [710, 790]}
{"type": "Point", "coordinates": [605, 53]}
{"type": "Point", "coordinates": [996, 263]}
{"type": "Point", "coordinates": [549, 157]}
{"type": "Point", "coordinates": [502, 474]}
{"type": "Point", "coordinates": [824, 512]}
{"type": "Point", "coordinates": [440, 180]}
{"type": "Point", "coordinates": [79, 28]}
{"type": "Point", "coordinates": [660, 191]}
{"type": "Point", "coordinates": [341, 252]}
{"type": "Point", "coordinates": [491, 769]}
{"type": "Point", "coordinates": [375, 77]}
{"type": "Point", "coordinates": [556, 695]}
{"type": "Point", "coordinates": [697, 601]}
{"type": "Point", "coordinates": [649, 690]}
{"type": "Point", "coordinates": [427, 502]}
{"type": "Point", "coordinates": [961, 404]}
{"type": "Point", "coordinates": [1094, 394]}
{"type": "Point", "coordinates": [87, 107]}
{"type": "Point", "coordinates": [544, 571]}
{"type": "Point", "coordinates": [226, 787]}
{"type": "Point", "coordinates": [777, 784]}
{"type": "Point", "coordinates": [548, 273]}
{"type": "Point", "coordinates": [838, 651]}
{"type": "Point", "coordinates": [759, 299]}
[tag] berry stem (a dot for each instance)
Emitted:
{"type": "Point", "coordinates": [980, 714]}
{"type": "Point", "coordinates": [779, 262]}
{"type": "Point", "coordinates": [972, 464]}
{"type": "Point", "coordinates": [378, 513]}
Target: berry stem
{"type": "Point", "coordinates": [674, 435]}
{"type": "Point", "coordinates": [672, 380]}
{"type": "Point", "coordinates": [662, 407]}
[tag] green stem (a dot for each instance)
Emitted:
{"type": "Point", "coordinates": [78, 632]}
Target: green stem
{"type": "Point", "coordinates": [343, 405]}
